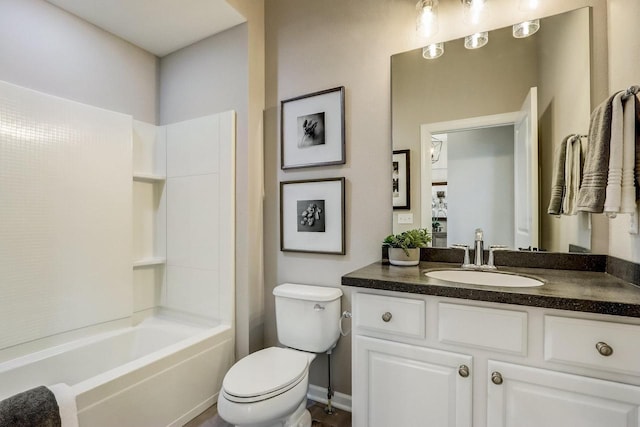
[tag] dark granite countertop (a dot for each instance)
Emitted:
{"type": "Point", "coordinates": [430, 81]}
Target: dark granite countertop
{"type": "Point", "coordinates": [588, 291]}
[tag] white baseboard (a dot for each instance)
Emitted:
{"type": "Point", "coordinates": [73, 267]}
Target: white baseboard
{"type": "Point", "coordinates": [339, 400]}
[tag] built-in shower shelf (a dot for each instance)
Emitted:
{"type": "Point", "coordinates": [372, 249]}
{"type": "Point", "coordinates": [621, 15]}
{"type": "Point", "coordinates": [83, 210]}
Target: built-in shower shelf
{"type": "Point", "coordinates": [144, 262]}
{"type": "Point", "coordinates": [148, 177]}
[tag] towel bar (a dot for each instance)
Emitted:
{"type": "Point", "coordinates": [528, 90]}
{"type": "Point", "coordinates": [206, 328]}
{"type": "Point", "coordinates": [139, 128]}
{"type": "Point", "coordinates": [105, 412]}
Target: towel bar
{"type": "Point", "coordinates": [631, 91]}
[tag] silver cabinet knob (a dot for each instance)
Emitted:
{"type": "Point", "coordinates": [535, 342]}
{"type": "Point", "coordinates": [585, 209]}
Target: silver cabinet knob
{"type": "Point", "coordinates": [604, 349]}
{"type": "Point", "coordinates": [386, 316]}
{"type": "Point", "coordinates": [496, 378]}
{"type": "Point", "coordinates": [463, 371]}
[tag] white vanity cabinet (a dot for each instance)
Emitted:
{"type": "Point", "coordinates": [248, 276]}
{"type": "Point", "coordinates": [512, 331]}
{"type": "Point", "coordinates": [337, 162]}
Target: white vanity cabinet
{"type": "Point", "coordinates": [400, 384]}
{"type": "Point", "coordinates": [406, 385]}
{"type": "Point", "coordinates": [521, 396]}
{"type": "Point", "coordinates": [434, 361]}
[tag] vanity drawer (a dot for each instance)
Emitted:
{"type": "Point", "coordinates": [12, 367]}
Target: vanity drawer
{"type": "Point", "coordinates": [390, 315]}
{"type": "Point", "coordinates": [589, 342]}
{"type": "Point", "coordinates": [488, 328]}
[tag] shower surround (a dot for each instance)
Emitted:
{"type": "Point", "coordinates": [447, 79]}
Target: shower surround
{"type": "Point", "coordinates": [95, 264]}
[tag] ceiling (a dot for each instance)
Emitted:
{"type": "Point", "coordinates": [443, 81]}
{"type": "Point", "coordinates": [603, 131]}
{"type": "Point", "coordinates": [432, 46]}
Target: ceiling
{"type": "Point", "coordinates": [157, 26]}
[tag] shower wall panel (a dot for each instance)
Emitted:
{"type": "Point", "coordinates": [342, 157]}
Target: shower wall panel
{"type": "Point", "coordinates": [201, 216]}
{"type": "Point", "coordinates": [65, 215]}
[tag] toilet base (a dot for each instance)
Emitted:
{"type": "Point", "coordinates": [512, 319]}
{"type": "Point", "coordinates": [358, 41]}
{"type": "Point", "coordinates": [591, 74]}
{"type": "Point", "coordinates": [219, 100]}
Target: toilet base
{"type": "Point", "coordinates": [300, 418]}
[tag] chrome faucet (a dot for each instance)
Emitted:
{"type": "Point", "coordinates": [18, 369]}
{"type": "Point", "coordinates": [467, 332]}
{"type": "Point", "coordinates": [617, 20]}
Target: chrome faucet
{"type": "Point", "coordinates": [465, 263]}
{"type": "Point", "coordinates": [478, 260]}
{"type": "Point", "coordinates": [491, 263]}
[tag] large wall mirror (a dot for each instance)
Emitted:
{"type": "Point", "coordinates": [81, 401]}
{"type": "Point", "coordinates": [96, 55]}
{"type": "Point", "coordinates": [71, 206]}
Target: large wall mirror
{"type": "Point", "coordinates": [481, 126]}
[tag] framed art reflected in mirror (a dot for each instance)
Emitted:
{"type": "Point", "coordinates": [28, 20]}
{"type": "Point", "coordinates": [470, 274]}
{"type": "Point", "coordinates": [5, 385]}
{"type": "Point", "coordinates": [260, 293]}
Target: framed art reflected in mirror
{"type": "Point", "coordinates": [400, 179]}
{"type": "Point", "coordinates": [439, 201]}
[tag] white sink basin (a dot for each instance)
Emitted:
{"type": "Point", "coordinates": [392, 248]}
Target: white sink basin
{"type": "Point", "coordinates": [485, 278]}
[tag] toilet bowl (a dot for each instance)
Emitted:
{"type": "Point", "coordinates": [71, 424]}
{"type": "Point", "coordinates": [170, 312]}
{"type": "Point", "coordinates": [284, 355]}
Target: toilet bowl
{"type": "Point", "coordinates": [268, 388]}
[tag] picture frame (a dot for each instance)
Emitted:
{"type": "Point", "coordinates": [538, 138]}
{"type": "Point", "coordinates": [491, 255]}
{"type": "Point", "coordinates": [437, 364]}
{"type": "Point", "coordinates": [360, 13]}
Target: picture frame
{"type": "Point", "coordinates": [312, 216]}
{"type": "Point", "coordinates": [400, 178]}
{"type": "Point", "coordinates": [312, 130]}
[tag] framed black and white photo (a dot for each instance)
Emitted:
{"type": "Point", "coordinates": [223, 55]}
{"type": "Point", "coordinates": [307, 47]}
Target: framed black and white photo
{"type": "Point", "coordinates": [312, 130]}
{"type": "Point", "coordinates": [312, 216]}
{"type": "Point", "coordinates": [400, 179]}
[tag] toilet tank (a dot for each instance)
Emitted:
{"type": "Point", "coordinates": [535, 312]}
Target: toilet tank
{"type": "Point", "coordinates": [307, 317]}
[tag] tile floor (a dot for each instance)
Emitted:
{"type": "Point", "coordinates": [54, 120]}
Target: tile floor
{"type": "Point", "coordinates": [339, 418]}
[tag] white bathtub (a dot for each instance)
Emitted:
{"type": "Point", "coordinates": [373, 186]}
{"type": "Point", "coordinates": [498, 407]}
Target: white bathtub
{"type": "Point", "coordinates": [158, 373]}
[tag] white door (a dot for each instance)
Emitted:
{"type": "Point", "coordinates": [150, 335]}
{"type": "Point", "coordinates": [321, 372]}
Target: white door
{"type": "Point", "coordinates": [526, 172]}
{"type": "Point", "coordinates": [532, 397]}
{"type": "Point", "coordinates": [403, 385]}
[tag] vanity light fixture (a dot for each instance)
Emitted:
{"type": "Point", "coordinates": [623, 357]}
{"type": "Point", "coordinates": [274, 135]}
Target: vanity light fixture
{"type": "Point", "coordinates": [472, 10]}
{"type": "Point", "coordinates": [526, 28]}
{"type": "Point", "coordinates": [433, 51]}
{"type": "Point", "coordinates": [427, 17]}
{"type": "Point", "coordinates": [477, 40]}
{"type": "Point", "coordinates": [529, 4]}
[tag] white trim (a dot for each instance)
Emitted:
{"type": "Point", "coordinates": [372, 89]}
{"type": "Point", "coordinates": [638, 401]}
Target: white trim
{"type": "Point", "coordinates": [474, 122]}
{"type": "Point", "coordinates": [144, 262]}
{"type": "Point", "coordinates": [319, 394]}
{"type": "Point", "coordinates": [148, 177]}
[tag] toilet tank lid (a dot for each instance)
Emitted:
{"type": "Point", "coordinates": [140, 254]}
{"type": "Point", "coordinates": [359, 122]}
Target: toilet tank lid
{"type": "Point", "coordinates": [307, 292]}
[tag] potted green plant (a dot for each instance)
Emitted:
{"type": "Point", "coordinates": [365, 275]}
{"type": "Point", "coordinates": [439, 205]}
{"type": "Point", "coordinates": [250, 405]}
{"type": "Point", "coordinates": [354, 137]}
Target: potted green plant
{"type": "Point", "coordinates": [404, 248]}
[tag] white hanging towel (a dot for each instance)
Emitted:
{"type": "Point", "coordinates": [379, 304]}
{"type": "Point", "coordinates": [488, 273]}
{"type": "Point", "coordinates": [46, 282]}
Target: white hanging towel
{"type": "Point", "coordinates": [573, 173]}
{"type": "Point", "coordinates": [66, 399]}
{"type": "Point", "coordinates": [613, 193]}
{"type": "Point", "coordinates": [628, 203]}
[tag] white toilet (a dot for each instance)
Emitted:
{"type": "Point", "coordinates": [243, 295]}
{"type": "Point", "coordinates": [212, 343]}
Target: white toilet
{"type": "Point", "coordinates": [269, 387]}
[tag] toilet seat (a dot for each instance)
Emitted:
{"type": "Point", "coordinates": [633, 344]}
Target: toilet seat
{"type": "Point", "coordinates": [265, 374]}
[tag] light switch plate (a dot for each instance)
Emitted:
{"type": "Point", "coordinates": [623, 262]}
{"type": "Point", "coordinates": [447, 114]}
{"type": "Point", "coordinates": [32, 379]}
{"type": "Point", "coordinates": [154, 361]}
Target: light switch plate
{"type": "Point", "coordinates": [405, 218]}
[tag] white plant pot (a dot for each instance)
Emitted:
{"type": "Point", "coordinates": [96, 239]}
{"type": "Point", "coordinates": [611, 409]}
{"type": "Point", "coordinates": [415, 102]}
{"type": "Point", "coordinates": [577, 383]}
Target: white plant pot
{"type": "Point", "coordinates": [398, 257]}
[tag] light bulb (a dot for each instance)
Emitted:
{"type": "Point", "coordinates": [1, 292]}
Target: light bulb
{"type": "Point", "coordinates": [526, 29]}
{"type": "Point", "coordinates": [427, 17]}
{"type": "Point", "coordinates": [476, 41]}
{"type": "Point", "coordinates": [473, 10]}
{"type": "Point", "coordinates": [433, 51]}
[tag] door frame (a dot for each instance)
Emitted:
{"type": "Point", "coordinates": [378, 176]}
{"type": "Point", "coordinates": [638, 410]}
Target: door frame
{"type": "Point", "coordinates": [428, 129]}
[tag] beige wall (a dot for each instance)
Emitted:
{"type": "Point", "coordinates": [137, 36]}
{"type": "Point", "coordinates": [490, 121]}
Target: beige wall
{"type": "Point", "coordinates": [313, 45]}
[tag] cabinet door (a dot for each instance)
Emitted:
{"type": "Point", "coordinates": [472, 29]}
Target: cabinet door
{"type": "Point", "coordinates": [532, 397]}
{"type": "Point", "coordinates": [403, 385]}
